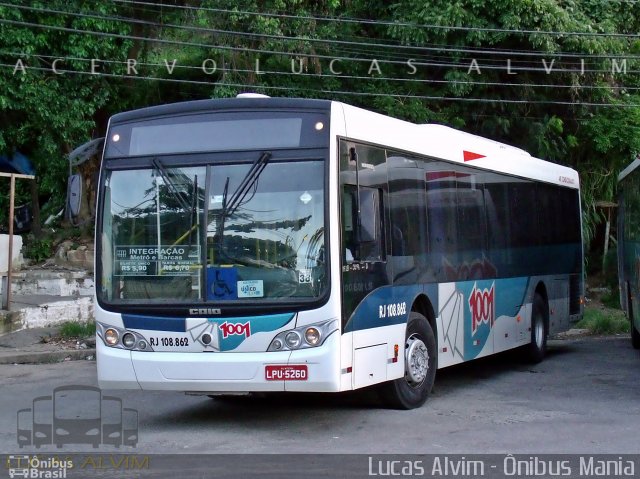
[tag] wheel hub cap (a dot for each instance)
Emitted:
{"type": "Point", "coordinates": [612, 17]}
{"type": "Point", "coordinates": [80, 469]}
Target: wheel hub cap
{"type": "Point", "coordinates": [539, 332]}
{"type": "Point", "coordinates": [416, 360]}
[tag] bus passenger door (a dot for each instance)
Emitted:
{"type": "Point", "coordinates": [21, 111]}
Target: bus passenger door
{"type": "Point", "coordinates": [363, 187]}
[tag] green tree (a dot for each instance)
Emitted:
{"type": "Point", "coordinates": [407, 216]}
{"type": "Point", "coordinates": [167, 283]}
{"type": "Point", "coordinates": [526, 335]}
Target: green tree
{"type": "Point", "coordinates": [43, 114]}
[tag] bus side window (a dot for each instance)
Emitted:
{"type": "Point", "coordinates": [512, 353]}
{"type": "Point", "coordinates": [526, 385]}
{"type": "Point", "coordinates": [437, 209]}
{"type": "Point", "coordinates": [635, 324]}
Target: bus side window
{"type": "Point", "coordinates": [369, 231]}
{"type": "Point", "coordinates": [348, 223]}
{"type": "Point", "coordinates": [362, 235]}
{"type": "Point", "coordinates": [472, 230]}
{"type": "Point", "coordinates": [441, 223]}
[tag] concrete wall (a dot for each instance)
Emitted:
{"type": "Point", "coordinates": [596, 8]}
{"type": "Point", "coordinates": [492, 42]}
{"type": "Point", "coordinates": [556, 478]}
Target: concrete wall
{"type": "Point", "coordinates": [17, 260]}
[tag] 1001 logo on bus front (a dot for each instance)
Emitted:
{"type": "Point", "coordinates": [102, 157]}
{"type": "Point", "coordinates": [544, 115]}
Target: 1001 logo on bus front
{"type": "Point", "coordinates": [482, 306]}
{"type": "Point", "coordinates": [233, 329]}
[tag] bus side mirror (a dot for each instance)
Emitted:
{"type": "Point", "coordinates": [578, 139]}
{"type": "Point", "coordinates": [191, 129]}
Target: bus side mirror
{"type": "Point", "coordinates": [74, 195]}
{"type": "Point", "coordinates": [369, 219]}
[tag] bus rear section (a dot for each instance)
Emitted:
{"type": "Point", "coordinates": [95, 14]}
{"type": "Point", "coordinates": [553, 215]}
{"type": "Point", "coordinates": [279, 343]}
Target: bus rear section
{"type": "Point", "coordinates": [629, 246]}
{"type": "Point", "coordinates": [453, 260]}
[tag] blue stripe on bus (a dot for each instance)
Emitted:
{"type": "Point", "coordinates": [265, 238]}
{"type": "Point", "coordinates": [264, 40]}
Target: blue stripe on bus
{"type": "Point", "coordinates": [154, 323]}
{"type": "Point", "coordinates": [388, 305]}
{"type": "Point", "coordinates": [258, 324]}
{"type": "Point", "coordinates": [509, 297]}
{"type": "Point", "coordinates": [269, 322]}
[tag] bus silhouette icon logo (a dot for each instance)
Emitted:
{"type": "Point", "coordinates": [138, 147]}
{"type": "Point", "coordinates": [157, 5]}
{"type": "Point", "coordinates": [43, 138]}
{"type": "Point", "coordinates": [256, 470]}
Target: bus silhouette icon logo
{"type": "Point", "coordinates": [18, 466]}
{"type": "Point", "coordinates": [77, 415]}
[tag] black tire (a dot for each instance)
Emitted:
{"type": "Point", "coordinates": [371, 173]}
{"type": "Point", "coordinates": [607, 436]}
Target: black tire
{"type": "Point", "coordinates": [537, 348]}
{"type": "Point", "coordinates": [635, 337]}
{"type": "Point", "coordinates": [420, 343]}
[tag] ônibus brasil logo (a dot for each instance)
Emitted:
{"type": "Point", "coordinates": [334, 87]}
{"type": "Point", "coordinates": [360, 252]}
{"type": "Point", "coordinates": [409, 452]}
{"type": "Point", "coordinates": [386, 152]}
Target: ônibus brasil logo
{"type": "Point", "coordinates": [482, 306]}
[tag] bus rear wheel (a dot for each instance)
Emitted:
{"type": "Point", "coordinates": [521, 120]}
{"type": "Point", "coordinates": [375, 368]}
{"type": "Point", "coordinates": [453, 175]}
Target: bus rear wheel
{"type": "Point", "coordinates": [635, 335]}
{"type": "Point", "coordinates": [537, 348]}
{"type": "Point", "coordinates": [420, 363]}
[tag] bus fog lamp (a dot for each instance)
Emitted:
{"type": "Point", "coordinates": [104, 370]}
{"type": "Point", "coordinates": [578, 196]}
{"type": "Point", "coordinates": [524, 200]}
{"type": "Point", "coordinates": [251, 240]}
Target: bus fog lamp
{"type": "Point", "coordinates": [142, 344]}
{"type": "Point", "coordinates": [312, 336]}
{"type": "Point", "coordinates": [292, 339]}
{"type": "Point", "coordinates": [111, 337]}
{"type": "Point", "coordinates": [277, 344]}
{"type": "Point", "coordinates": [129, 340]}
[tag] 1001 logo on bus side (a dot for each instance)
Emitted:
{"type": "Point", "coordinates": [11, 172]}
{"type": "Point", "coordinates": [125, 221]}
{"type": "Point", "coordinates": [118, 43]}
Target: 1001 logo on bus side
{"type": "Point", "coordinates": [482, 306]}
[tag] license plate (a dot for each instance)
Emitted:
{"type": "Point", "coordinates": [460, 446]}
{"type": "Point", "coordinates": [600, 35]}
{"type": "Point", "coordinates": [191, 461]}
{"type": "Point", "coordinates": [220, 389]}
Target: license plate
{"type": "Point", "coordinates": [286, 373]}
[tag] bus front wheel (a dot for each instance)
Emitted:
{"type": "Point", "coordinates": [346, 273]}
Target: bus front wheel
{"type": "Point", "coordinates": [420, 363]}
{"type": "Point", "coordinates": [536, 350]}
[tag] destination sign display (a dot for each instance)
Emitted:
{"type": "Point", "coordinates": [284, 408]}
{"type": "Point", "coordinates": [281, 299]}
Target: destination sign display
{"type": "Point", "coordinates": [182, 260]}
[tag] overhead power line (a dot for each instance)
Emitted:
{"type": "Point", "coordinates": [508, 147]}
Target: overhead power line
{"type": "Point", "coordinates": [382, 22]}
{"type": "Point", "coordinates": [290, 54]}
{"type": "Point", "coordinates": [406, 48]}
{"type": "Point", "coordinates": [393, 41]}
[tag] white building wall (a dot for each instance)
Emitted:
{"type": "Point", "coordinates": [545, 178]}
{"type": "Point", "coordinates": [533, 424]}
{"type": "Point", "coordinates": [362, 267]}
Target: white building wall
{"type": "Point", "coordinates": [17, 260]}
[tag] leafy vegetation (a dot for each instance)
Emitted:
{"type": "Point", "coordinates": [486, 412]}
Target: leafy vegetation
{"type": "Point", "coordinates": [557, 78]}
{"type": "Point", "coordinates": [599, 321]}
{"type": "Point", "coordinates": [38, 249]}
{"type": "Point", "coordinates": [76, 329]}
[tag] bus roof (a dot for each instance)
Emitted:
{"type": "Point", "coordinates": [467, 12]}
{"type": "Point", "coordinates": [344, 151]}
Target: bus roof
{"type": "Point", "coordinates": [437, 141]}
{"type": "Point", "coordinates": [453, 145]}
{"type": "Point", "coordinates": [197, 106]}
{"type": "Point", "coordinates": [634, 164]}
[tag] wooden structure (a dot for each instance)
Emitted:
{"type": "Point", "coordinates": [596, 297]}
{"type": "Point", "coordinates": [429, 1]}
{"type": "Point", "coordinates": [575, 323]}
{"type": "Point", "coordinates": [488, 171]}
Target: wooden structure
{"type": "Point", "coordinates": [608, 208]}
{"type": "Point", "coordinates": [6, 287]}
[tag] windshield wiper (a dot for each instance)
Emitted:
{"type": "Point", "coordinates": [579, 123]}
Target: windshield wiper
{"type": "Point", "coordinates": [171, 186]}
{"type": "Point", "coordinates": [238, 197]}
{"type": "Point", "coordinates": [245, 185]}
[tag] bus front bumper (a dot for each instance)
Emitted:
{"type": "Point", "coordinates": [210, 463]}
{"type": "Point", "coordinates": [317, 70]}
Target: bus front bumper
{"type": "Point", "coordinates": [218, 372]}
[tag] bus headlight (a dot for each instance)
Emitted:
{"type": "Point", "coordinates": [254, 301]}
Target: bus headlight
{"type": "Point", "coordinates": [111, 337]}
{"type": "Point", "coordinates": [128, 339]}
{"type": "Point", "coordinates": [122, 338]}
{"type": "Point", "coordinates": [314, 335]}
{"type": "Point", "coordinates": [292, 339]}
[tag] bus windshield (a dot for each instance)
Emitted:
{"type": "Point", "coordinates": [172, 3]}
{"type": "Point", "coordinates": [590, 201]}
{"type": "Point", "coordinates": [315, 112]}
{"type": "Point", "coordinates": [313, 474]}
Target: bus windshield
{"type": "Point", "coordinates": [241, 231]}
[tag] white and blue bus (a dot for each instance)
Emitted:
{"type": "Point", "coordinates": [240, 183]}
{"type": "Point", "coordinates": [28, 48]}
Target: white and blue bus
{"type": "Point", "coordinates": [269, 244]}
{"type": "Point", "coordinates": [629, 246]}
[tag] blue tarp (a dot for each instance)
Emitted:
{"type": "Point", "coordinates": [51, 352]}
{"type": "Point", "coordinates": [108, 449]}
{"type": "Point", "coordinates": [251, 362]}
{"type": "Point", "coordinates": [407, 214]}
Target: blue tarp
{"type": "Point", "coordinates": [17, 163]}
